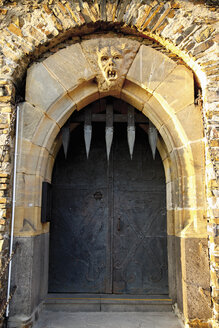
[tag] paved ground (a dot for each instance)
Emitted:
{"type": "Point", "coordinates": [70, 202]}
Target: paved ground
{"type": "Point", "coordinates": [107, 320]}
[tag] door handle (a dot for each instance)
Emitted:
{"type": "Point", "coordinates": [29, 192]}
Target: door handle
{"type": "Point", "coordinates": [118, 224]}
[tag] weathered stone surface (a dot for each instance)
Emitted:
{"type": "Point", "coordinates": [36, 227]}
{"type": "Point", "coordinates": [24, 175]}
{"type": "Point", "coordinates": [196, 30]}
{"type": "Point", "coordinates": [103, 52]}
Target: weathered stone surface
{"type": "Point", "coordinates": [70, 67]}
{"type": "Point", "coordinates": [150, 68]}
{"type": "Point", "coordinates": [134, 95]}
{"type": "Point", "coordinates": [46, 133]}
{"type": "Point", "coordinates": [32, 255]}
{"type": "Point", "coordinates": [84, 94]}
{"type": "Point", "coordinates": [177, 90]}
{"type": "Point", "coordinates": [29, 119]}
{"type": "Point", "coordinates": [42, 89]}
{"type": "Point", "coordinates": [62, 110]}
{"type": "Point", "coordinates": [29, 191]}
{"type": "Point", "coordinates": [196, 284]}
{"type": "Point", "coordinates": [110, 59]}
{"type": "Point", "coordinates": [190, 117]}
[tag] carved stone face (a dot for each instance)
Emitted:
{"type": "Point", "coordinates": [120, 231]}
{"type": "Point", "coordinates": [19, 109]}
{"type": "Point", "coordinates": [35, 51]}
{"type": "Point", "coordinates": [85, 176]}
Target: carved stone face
{"type": "Point", "coordinates": [110, 61]}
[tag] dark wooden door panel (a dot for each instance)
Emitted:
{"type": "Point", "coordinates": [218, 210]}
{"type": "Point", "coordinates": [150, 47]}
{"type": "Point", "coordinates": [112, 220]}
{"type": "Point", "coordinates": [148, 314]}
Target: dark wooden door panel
{"type": "Point", "coordinates": [108, 226]}
{"type": "Point", "coordinates": [139, 242]}
{"type": "Point", "coordinates": [79, 227]}
{"type": "Point", "coordinates": [79, 241]}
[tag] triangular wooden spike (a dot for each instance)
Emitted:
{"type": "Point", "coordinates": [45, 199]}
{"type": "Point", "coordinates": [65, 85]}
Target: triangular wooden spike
{"type": "Point", "coordinates": [152, 136]}
{"type": "Point", "coordinates": [109, 128]}
{"type": "Point", "coordinates": [131, 130]}
{"type": "Point", "coordinates": [65, 131]}
{"type": "Point", "coordinates": [109, 139]}
{"type": "Point", "coordinates": [87, 138]}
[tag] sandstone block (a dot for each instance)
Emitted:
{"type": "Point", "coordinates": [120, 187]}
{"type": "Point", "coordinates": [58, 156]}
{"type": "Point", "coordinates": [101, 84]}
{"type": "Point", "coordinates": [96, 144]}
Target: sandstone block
{"type": "Point", "coordinates": [84, 94]}
{"type": "Point", "coordinates": [62, 110]}
{"type": "Point", "coordinates": [150, 68]}
{"type": "Point", "coordinates": [134, 95]}
{"type": "Point", "coordinates": [30, 117]}
{"type": "Point", "coordinates": [42, 89]}
{"type": "Point", "coordinates": [190, 117]}
{"type": "Point", "coordinates": [177, 90]}
{"type": "Point", "coordinates": [70, 67]}
{"type": "Point", "coordinates": [196, 284]}
{"type": "Point", "coordinates": [45, 135]}
{"type": "Point", "coordinates": [175, 132]}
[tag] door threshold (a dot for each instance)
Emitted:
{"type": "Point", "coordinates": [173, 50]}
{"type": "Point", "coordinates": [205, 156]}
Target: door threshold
{"type": "Point", "coordinates": [107, 303]}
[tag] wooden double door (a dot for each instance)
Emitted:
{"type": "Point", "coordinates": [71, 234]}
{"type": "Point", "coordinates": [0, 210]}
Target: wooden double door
{"type": "Point", "coordinates": [108, 227]}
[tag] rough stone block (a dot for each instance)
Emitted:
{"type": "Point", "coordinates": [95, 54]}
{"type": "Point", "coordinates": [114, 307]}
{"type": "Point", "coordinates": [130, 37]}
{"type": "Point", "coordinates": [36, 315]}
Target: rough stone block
{"type": "Point", "coordinates": [167, 169]}
{"type": "Point", "coordinates": [46, 133]}
{"type": "Point", "coordinates": [30, 117]}
{"type": "Point", "coordinates": [197, 286]}
{"type": "Point", "coordinates": [177, 90]}
{"type": "Point", "coordinates": [32, 159]}
{"type": "Point", "coordinates": [84, 94]}
{"type": "Point", "coordinates": [42, 89]}
{"type": "Point", "coordinates": [70, 67]}
{"type": "Point", "coordinates": [30, 274]}
{"type": "Point", "coordinates": [28, 191]}
{"type": "Point", "coordinates": [171, 240]}
{"type": "Point", "coordinates": [49, 168]}
{"type": "Point", "coordinates": [193, 191]}
{"type": "Point", "coordinates": [150, 68]}
{"type": "Point", "coordinates": [62, 110]}
{"type": "Point", "coordinates": [175, 131]}
{"type": "Point", "coordinates": [134, 95]}
{"type": "Point", "coordinates": [189, 118]}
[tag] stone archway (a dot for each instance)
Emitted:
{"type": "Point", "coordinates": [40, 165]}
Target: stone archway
{"type": "Point", "coordinates": [164, 91]}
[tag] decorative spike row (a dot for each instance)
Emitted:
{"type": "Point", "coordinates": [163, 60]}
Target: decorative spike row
{"type": "Point", "coordinates": [65, 131]}
{"type": "Point", "coordinates": [87, 131]}
{"type": "Point", "coordinates": [131, 130]}
{"type": "Point", "coordinates": [109, 129]}
{"type": "Point", "coordinates": [152, 136]}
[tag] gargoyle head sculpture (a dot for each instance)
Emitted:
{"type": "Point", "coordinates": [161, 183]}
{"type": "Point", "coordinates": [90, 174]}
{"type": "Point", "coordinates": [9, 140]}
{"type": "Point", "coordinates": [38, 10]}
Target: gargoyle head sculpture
{"type": "Point", "coordinates": [110, 62]}
{"type": "Point", "coordinates": [110, 58]}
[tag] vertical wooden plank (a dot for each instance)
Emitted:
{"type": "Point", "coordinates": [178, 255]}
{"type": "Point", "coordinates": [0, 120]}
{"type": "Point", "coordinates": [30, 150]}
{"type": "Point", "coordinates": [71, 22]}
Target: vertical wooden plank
{"type": "Point", "coordinates": [109, 139]}
{"type": "Point", "coordinates": [110, 198]}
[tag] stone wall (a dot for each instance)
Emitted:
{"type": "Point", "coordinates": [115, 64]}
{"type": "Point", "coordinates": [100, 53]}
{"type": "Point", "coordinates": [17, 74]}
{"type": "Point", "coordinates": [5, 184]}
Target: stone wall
{"type": "Point", "coordinates": [188, 29]}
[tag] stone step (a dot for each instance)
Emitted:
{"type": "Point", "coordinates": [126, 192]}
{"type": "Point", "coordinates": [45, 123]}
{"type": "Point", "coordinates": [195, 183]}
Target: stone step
{"type": "Point", "coordinates": [107, 303]}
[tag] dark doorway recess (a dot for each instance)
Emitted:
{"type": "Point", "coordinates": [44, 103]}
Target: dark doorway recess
{"type": "Point", "coordinates": [108, 227]}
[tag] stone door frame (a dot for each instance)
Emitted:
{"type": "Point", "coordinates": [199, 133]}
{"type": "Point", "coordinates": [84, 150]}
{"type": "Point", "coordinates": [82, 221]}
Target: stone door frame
{"type": "Point", "coordinates": [166, 97]}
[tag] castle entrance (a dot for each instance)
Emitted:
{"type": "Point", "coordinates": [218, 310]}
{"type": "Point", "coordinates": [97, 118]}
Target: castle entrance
{"type": "Point", "coordinates": [108, 227]}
